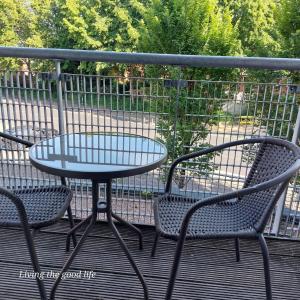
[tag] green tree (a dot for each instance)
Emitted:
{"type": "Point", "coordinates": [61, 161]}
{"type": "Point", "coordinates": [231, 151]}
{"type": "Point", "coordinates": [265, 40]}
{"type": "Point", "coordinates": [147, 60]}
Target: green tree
{"type": "Point", "coordinates": [256, 25]}
{"type": "Point", "coordinates": [89, 24]}
{"type": "Point", "coordinates": [288, 21]}
{"type": "Point", "coordinates": [187, 27]}
{"type": "Point", "coordinates": [17, 28]}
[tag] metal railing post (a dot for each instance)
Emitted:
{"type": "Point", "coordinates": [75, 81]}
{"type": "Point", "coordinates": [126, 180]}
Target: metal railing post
{"type": "Point", "coordinates": [61, 119]}
{"type": "Point", "coordinates": [178, 86]}
{"type": "Point", "coordinates": [281, 201]}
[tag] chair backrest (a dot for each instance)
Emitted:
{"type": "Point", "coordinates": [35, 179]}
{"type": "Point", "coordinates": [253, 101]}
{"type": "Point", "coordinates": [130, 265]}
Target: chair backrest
{"type": "Point", "coordinates": [273, 158]}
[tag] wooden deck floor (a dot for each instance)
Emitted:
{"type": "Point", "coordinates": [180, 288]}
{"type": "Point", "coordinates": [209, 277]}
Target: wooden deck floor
{"type": "Point", "coordinates": [208, 268]}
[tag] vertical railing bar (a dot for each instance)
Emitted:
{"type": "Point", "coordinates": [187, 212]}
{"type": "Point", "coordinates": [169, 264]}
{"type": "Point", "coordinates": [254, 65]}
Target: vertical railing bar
{"type": "Point", "coordinates": [177, 105]}
{"type": "Point", "coordinates": [143, 130]}
{"type": "Point", "coordinates": [9, 121]}
{"type": "Point", "coordinates": [65, 105]}
{"type": "Point", "coordinates": [44, 99]}
{"type": "Point", "coordinates": [13, 154]}
{"type": "Point", "coordinates": [290, 120]}
{"type": "Point", "coordinates": [39, 121]}
{"type": "Point", "coordinates": [2, 105]}
{"type": "Point", "coordinates": [136, 107]}
{"type": "Point", "coordinates": [32, 102]}
{"type": "Point", "coordinates": [25, 100]}
{"type": "Point", "coordinates": [13, 98]}
{"type": "Point", "coordinates": [84, 101]}
{"type": "Point", "coordinates": [277, 109]}
{"type": "Point", "coordinates": [3, 124]}
{"type": "Point", "coordinates": [45, 106]}
{"type": "Point", "coordinates": [22, 152]}
{"type": "Point", "coordinates": [263, 107]}
{"type": "Point", "coordinates": [151, 100]}
{"type": "Point", "coordinates": [61, 122]}
{"type": "Point", "coordinates": [104, 102]}
{"type": "Point", "coordinates": [78, 99]}
{"type": "Point", "coordinates": [27, 107]}
{"type": "Point", "coordinates": [283, 113]}
{"type": "Point", "coordinates": [50, 96]}
{"type": "Point", "coordinates": [72, 105]}
{"type": "Point", "coordinates": [7, 102]}
{"type": "Point", "coordinates": [91, 105]}
{"type": "Point", "coordinates": [270, 107]}
{"type": "Point", "coordinates": [38, 105]}
{"type": "Point", "coordinates": [129, 111]}
{"type": "Point", "coordinates": [97, 108]}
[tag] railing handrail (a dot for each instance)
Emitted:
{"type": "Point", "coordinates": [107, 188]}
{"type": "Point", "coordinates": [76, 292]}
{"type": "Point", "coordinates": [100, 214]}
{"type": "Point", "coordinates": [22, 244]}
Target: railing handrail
{"type": "Point", "coordinates": [153, 58]}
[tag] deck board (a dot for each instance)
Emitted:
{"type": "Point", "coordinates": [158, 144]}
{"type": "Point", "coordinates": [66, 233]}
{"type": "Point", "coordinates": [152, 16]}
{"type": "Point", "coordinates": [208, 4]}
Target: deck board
{"type": "Point", "coordinates": [208, 268]}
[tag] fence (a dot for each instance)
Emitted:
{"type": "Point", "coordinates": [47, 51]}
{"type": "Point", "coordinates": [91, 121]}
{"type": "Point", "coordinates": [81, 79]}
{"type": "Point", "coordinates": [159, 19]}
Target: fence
{"type": "Point", "coordinates": [187, 114]}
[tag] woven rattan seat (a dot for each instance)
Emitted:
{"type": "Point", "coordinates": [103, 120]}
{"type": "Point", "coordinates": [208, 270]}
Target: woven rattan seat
{"type": "Point", "coordinates": [211, 221]}
{"type": "Point", "coordinates": [237, 214]}
{"type": "Point", "coordinates": [44, 206]}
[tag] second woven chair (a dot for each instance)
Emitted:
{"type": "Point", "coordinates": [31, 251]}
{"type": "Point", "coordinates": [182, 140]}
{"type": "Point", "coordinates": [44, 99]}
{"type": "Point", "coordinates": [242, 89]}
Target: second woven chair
{"type": "Point", "coordinates": [32, 209]}
{"type": "Point", "coordinates": [242, 213]}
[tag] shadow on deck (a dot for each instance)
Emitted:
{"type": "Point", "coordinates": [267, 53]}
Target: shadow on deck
{"type": "Point", "coordinates": [208, 268]}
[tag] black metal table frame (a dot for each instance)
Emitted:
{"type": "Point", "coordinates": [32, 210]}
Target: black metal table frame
{"type": "Point", "coordinates": [103, 207]}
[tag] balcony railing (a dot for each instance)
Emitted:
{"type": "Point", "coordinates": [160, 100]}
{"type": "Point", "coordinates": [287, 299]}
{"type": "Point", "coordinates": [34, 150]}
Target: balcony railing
{"type": "Point", "coordinates": [37, 105]}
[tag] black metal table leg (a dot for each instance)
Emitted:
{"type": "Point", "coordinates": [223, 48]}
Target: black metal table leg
{"type": "Point", "coordinates": [131, 227]}
{"type": "Point", "coordinates": [71, 257]}
{"type": "Point", "coordinates": [70, 216]}
{"type": "Point", "coordinates": [72, 225]}
{"type": "Point", "coordinates": [121, 242]}
{"type": "Point", "coordinates": [67, 264]}
{"type": "Point", "coordinates": [93, 218]}
{"type": "Point", "coordinates": [73, 230]}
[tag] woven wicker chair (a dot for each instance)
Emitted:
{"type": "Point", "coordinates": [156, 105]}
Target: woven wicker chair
{"type": "Point", "coordinates": [32, 209]}
{"type": "Point", "coordinates": [239, 214]}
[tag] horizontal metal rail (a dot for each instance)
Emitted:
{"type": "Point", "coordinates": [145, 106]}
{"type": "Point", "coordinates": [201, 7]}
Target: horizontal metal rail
{"type": "Point", "coordinates": [153, 58]}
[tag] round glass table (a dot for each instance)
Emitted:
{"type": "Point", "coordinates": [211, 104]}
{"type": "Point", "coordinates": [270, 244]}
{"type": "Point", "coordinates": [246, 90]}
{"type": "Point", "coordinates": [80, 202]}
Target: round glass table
{"type": "Point", "coordinates": [100, 157]}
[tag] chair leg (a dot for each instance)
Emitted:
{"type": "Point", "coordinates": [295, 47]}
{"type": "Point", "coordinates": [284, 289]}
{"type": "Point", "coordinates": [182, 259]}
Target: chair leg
{"type": "Point", "coordinates": [266, 259]}
{"type": "Point", "coordinates": [70, 215]}
{"type": "Point", "coordinates": [72, 224]}
{"type": "Point", "coordinates": [35, 262]}
{"type": "Point", "coordinates": [157, 235]}
{"type": "Point", "coordinates": [175, 266]}
{"type": "Point", "coordinates": [237, 249]}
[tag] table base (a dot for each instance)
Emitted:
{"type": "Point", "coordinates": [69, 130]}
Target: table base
{"type": "Point", "coordinates": [92, 222]}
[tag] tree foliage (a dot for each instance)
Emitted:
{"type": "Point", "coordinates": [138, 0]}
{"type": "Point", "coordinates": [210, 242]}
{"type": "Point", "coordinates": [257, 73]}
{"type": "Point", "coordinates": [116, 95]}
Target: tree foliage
{"type": "Point", "coordinates": [288, 17]}
{"type": "Point", "coordinates": [89, 24]}
{"type": "Point", "coordinates": [17, 28]}
{"type": "Point", "coordinates": [187, 27]}
{"type": "Point", "coordinates": [256, 25]}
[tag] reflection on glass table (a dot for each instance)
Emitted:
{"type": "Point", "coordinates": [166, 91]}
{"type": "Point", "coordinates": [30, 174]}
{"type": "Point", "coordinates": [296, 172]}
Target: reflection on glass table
{"type": "Point", "coordinates": [112, 155]}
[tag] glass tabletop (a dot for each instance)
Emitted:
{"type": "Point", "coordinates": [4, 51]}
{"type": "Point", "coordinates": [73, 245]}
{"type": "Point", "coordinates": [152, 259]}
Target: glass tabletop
{"type": "Point", "coordinates": [97, 155]}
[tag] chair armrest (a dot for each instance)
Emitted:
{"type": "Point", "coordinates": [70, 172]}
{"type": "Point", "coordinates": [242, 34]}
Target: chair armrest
{"type": "Point", "coordinates": [16, 139]}
{"type": "Point", "coordinates": [204, 152]}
